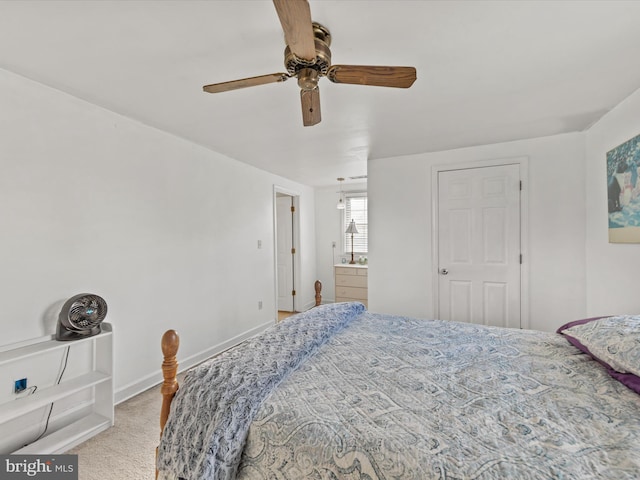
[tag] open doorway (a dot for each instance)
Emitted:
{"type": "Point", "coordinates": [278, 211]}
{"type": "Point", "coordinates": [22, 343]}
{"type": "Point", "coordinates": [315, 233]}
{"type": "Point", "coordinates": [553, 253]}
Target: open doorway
{"type": "Point", "coordinates": [286, 240]}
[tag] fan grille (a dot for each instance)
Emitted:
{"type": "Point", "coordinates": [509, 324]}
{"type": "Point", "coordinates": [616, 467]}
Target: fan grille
{"type": "Point", "coordinates": [87, 312]}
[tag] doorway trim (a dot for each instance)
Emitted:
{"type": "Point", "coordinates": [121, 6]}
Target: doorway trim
{"type": "Point", "coordinates": [277, 189]}
{"type": "Point", "coordinates": [523, 162]}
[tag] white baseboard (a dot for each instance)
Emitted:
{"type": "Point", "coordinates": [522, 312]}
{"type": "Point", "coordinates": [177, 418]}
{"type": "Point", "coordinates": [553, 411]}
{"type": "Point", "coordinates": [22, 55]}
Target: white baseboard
{"type": "Point", "coordinates": [308, 306]}
{"type": "Point", "coordinates": [139, 386]}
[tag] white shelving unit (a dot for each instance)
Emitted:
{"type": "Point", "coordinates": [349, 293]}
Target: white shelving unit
{"type": "Point", "coordinates": [98, 381]}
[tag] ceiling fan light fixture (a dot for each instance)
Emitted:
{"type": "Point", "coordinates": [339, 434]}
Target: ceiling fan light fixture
{"type": "Point", "coordinates": [308, 78]}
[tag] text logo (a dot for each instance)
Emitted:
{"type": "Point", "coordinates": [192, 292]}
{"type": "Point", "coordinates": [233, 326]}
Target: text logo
{"type": "Point", "coordinates": [50, 467]}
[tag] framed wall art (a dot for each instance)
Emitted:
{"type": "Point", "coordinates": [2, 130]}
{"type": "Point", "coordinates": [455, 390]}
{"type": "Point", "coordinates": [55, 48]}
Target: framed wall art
{"type": "Point", "coordinates": [623, 192]}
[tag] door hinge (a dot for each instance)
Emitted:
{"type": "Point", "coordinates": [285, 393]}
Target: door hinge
{"type": "Point", "coordinates": [293, 292]}
{"type": "Point", "coordinates": [520, 185]}
{"type": "Point", "coordinates": [520, 259]}
{"type": "Point", "coordinates": [293, 209]}
{"type": "Point", "coordinates": [293, 251]}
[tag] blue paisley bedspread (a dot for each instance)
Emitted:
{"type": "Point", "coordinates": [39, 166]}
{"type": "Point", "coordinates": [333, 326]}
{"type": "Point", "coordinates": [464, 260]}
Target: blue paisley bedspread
{"type": "Point", "coordinates": [390, 397]}
{"type": "Point", "coordinates": [211, 412]}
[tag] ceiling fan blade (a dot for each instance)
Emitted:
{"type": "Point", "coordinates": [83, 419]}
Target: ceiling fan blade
{"type": "Point", "coordinates": [399, 77]}
{"type": "Point", "coordinates": [310, 100]}
{"type": "Point", "coordinates": [245, 82]}
{"type": "Point", "coordinates": [295, 17]}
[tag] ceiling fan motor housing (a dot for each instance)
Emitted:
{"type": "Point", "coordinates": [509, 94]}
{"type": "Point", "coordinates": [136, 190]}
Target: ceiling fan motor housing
{"type": "Point", "coordinates": [81, 316]}
{"type": "Point", "coordinates": [298, 67]}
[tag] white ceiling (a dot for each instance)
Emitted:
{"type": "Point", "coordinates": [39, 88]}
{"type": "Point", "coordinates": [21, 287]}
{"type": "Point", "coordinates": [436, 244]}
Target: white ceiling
{"type": "Point", "coordinates": [488, 71]}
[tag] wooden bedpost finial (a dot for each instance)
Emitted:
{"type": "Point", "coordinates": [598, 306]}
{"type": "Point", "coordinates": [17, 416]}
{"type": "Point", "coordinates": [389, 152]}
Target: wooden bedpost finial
{"type": "Point", "coordinates": [170, 343]}
{"type": "Point", "coordinates": [318, 287]}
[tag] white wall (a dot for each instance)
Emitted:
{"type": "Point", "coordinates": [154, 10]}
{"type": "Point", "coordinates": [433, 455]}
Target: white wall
{"type": "Point", "coordinates": [165, 230]}
{"type": "Point", "coordinates": [400, 263]}
{"type": "Point", "coordinates": [612, 269]}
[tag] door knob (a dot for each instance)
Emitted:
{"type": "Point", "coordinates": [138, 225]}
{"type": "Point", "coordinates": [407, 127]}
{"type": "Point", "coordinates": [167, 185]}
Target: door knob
{"type": "Point", "coordinates": [444, 271]}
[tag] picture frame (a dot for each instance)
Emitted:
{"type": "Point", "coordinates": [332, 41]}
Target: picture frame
{"type": "Point", "coordinates": [623, 192]}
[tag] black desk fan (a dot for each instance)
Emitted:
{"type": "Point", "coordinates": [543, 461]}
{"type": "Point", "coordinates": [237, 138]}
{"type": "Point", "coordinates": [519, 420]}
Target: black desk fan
{"type": "Point", "coordinates": [80, 317]}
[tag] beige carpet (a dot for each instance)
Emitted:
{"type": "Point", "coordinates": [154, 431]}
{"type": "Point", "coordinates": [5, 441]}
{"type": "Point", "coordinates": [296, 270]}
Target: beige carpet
{"type": "Point", "coordinates": [126, 451]}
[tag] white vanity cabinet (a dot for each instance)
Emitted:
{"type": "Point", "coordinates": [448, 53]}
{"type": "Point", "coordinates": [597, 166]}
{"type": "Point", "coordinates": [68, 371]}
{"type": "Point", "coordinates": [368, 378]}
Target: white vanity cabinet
{"type": "Point", "coordinates": [351, 283]}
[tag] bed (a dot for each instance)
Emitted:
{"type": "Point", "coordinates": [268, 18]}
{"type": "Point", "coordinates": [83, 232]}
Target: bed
{"type": "Point", "coordinates": [338, 392]}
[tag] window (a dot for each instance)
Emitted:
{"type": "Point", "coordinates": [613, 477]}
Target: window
{"type": "Point", "coordinates": [356, 209]}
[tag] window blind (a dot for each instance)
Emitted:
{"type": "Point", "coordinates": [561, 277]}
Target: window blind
{"type": "Point", "coordinates": [356, 209]}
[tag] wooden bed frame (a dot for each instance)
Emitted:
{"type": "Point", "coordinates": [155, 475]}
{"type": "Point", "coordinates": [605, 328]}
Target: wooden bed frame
{"type": "Point", "coordinates": [170, 344]}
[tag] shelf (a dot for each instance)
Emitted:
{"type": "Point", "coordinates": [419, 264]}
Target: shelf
{"type": "Point", "coordinates": [44, 397]}
{"type": "Point", "coordinates": [94, 386]}
{"type": "Point", "coordinates": [11, 354]}
{"type": "Point", "coordinates": [68, 437]}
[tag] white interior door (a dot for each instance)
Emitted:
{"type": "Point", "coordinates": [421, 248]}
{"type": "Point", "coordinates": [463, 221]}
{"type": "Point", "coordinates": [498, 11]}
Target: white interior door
{"type": "Point", "coordinates": [284, 244]}
{"type": "Point", "coordinates": [479, 245]}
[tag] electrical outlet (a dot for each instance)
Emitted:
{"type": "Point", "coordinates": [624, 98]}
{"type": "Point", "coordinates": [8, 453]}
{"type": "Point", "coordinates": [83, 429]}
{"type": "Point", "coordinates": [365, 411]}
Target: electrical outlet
{"type": "Point", "coordinates": [20, 385]}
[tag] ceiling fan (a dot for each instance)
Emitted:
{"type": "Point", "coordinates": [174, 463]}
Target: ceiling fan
{"type": "Point", "coordinates": [307, 57]}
